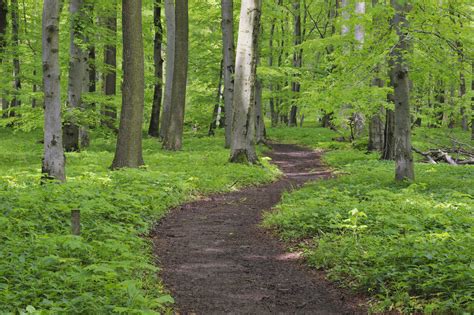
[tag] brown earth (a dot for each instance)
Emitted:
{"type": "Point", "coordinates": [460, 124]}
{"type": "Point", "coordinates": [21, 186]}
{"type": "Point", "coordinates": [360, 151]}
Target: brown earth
{"type": "Point", "coordinates": [215, 258]}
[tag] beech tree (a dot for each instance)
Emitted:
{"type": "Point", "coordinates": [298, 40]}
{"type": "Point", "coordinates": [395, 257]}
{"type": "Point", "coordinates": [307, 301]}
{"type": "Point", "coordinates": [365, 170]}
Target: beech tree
{"type": "Point", "coordinates": [78, 57]}
{"type": "Point", "coordinates": [53, 159]}
{"type": "Point", "coordinates": [402, 132]}
{"type": "Point", "coordinates": [243, 121]}
{"type": "Point", "coordinates": [228, 48]}
{"type": "Point", "coordinates": [177, 72]}
{"type": "Point", "coordinates": [110, 60]}
{"type": "Point", "coordinates": [3, 32]}
{"type": "Point", "coordinates": [297, 60]}
{"type": "Point", "coordinates": [154, 128]}
{"type": "Point", "coordinates": [16, 56]}
{"type": "Point", "coordinates": [128, 152]}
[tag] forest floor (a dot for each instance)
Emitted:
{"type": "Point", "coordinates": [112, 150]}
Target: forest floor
{"type": "Point", "coordinates": [216, 258]}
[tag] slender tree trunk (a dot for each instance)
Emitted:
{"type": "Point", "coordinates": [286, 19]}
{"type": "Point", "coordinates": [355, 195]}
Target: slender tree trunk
{"type": "Point", "coordinates": [170, 55]}
{"type": "Point", "coordinates": [110, 77]}
{"type": "Point", "coordinates": [16, 56]}
{"type": "Point", "coordinates": [376, 132]}
{"type": "Point", "coordinates": [462, 92]}
{"type": "Point", "coordinates": [472, 105]}
{"type": "Point", "coordinates": [217, 107]}
{"type": "Point", "coordinates": [53, 165]}
{"type": "Point", "coordinates": [243, 122]}
{"type": "Point", "coordinates": [3, 41]}
{"type": "Point", "coordinates": [77, 73]}
{"type": "Point", "coordinates": [376, 124]}
{"type": "Point", "coordinates": [128, 152]}
{"type": "Point", "coordinates": [273, 112]}
{"type": "Point", "coordinates": [173, 135]}
{"type": "Point", "coordinates": [297, 61]}
{"type": "Point", "coordinates": [154, 129]}
{"type": "Point", "coordinates": [229, 64]}
{"type": "Point", "coordinates": [259, 120]}
{"type": "Point", "coordinates": [403, 151]}
{"type": "Point", "coordinates": [389, 142]}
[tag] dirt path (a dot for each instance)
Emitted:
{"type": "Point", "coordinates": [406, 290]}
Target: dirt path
{"type": "Point", "coordinates": [215, 259]}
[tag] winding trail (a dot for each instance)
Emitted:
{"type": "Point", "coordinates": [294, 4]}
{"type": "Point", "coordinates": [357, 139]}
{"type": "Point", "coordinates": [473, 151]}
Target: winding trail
{"type": "Point", "coordinates": [215, 259]}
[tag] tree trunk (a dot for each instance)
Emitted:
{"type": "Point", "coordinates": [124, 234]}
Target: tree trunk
{"type": "Point", "coordinates": [154, 129]}
{"type": "Point", "coordinates": [273, 111]}
{"type": "Point", "coordinates": [217, 107]}
{"type": "Point", "coordinates": [389, 142]}
{"type": "Point", "coordinates": [77, 72]}
{"type": "Point", "coordinates": [53, 165]}
{"type": "Point", "coordinates": [472, 105]}
{"type": "Point", "coordinates": [376, 124]}
{"type": "Point", "coordinates": [359, 31]}
{"type": "Point", "coordinates": [173, 134]}
{"type": "Point", "coordinates": [259, 119]}
{"type": "Point", "coordinates": [110, 78]}
{"type": "Point", "coordinates": [16, 56]}
{"type": "Point", "coordinates": [376, 132]}
{"type": "Point", "coordinates": [128, 152]}
{"type": "Point", "coordinates": [297, 56]}
{"type": "Point", "coordinates": [170, 55]}
{"type": "Point", "coordinates": [229, 64]}
{"type": "Point", "coordinates": [243, 122]}
{"type": "Point", "coordinates": [402, 135]}
{"type": "Point", "coordinates": [3, 42]}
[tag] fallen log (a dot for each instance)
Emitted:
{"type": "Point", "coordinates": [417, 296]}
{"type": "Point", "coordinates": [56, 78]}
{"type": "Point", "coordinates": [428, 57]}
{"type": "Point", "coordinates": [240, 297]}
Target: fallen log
{"type": "Point", "coordinates": [426, 155]}
{"type": "Point", "coordinates": [434, 156]}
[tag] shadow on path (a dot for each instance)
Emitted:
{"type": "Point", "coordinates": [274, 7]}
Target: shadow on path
{"type": "Point", "coordinates": [215, 259]}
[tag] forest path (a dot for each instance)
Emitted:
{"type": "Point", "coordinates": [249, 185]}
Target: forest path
{"type": "Point", "coordinates": [215, 259]}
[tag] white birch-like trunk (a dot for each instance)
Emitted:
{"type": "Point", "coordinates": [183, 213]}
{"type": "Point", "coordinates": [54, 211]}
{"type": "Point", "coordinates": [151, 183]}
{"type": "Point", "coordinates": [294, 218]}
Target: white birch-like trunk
{"type": "Point", "coordinates": [53, 159]}
{"type": "Point", "coordinates": [243, 122]}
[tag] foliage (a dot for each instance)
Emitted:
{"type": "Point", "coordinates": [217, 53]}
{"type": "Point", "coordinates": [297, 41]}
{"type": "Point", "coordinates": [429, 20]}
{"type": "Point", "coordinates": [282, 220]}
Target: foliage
{"type": "Point", "coordinates": [410, 246]}
{"type": "Point", "coordinates": [109, 268]}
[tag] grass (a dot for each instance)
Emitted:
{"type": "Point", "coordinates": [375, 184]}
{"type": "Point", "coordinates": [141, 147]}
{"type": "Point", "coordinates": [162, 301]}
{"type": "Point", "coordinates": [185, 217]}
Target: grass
{"type": "Point", "coordinates": [408, 246]}
{"type": "Point", "coordinates": [109, 268]}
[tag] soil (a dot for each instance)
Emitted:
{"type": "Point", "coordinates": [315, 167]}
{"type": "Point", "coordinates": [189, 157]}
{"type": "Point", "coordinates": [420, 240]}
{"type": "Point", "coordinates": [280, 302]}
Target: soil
{"type": "Point", "coordinates": [216, 259]}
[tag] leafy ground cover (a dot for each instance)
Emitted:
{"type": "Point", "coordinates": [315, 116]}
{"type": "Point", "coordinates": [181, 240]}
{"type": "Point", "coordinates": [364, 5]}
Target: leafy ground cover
{"type": "Point", "coordinates": [109, 268]}
{"type": "Point", "coordinates": [408, 246]}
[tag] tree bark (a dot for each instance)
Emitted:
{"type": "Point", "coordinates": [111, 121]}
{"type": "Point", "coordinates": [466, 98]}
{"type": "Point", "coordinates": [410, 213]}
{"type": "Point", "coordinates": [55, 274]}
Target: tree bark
{"type": "Point", "coordinates": [297, 61]}
{"type": "Point", "coordinates": [173, 135]}
{"type": "Point", "coordinates": [228, 47]}
{"type": "Point", "coordinates": [77, 73]}
{"type": "Point", "coordinates": [259, 119]}
{"type": "Point", "coordinates": [217, 107]}
{"type": "Point", "coordinates": [273, 110]}
{"type": "Point", "coordinates": [3, 42]}
{"type": "Point", "coordinates": [128, 152]}
{"type": "Point", "coordinates": [16, 56]}
{"type": "Point", "coordinates": [472, 105]}
{"type": "Point", "coordinates": [376, 132]}
{"type": "Point", "coordinates": [376, 124]}
{"type": "Point", "coordinates": [402, 135]}
{"type": "Point", "coordinates": [53, 165]}
{"type": "Point", "coordinates": [110, 78]}
{"type": "Point", "coordinates": [243, 122]}
{"type": "Point", "coordinates": [154, 128]}
{"type": "Point", "coordinates": [170, 55]}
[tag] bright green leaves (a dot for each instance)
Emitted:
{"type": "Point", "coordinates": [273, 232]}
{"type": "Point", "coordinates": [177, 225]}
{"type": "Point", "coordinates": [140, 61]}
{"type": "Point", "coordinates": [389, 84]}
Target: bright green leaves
{"type": "Point", "coordinates": [410, 246]}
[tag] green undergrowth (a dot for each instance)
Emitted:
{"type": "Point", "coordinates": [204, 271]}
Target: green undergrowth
{"type": "Point", "coordinates": [408, 246]}
{"type": "Point", "coordinates": [109, 268]}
